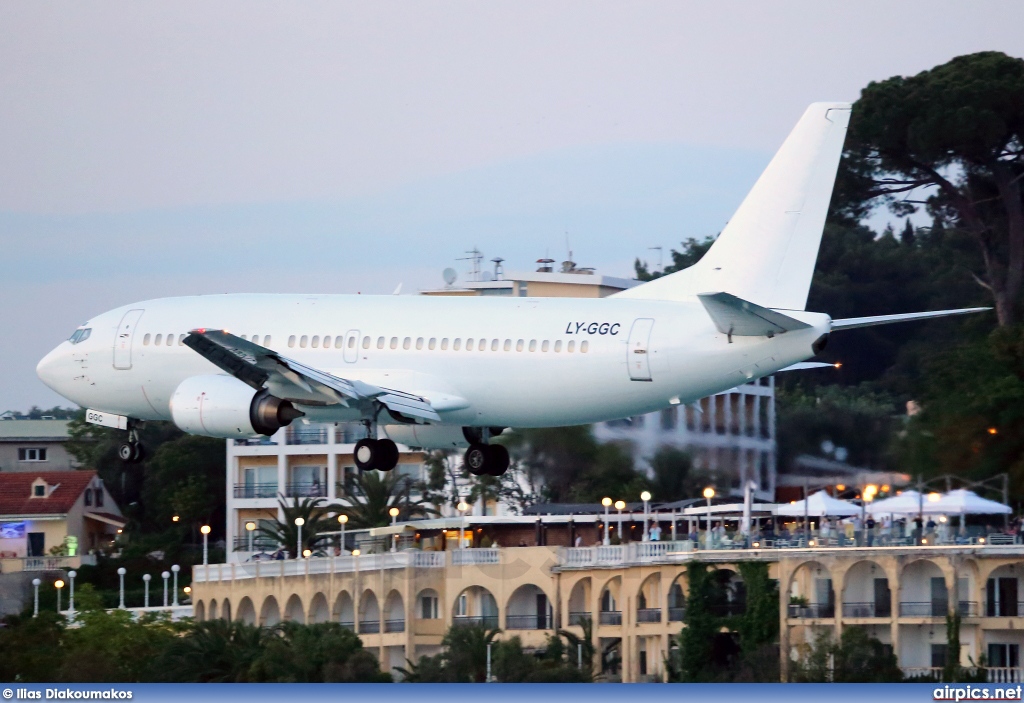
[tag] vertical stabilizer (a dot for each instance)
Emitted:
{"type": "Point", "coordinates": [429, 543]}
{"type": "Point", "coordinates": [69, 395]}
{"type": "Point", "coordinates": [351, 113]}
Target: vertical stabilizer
{"type": "Point", "coordinates": [766, 253]}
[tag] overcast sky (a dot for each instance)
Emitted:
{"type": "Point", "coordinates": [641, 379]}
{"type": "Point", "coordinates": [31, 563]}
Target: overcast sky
{"type": "Point", "coordinates": [151, 149]}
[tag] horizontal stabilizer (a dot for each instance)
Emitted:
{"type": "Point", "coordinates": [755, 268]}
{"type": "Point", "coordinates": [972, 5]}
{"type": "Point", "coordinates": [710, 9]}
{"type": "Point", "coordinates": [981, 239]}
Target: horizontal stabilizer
{"type": "Point", "coordinates": [806, 365]}
{"type": "Point", "coordinates": [853, 322]}
{"type": "Point", "coordinates": [741, 318]}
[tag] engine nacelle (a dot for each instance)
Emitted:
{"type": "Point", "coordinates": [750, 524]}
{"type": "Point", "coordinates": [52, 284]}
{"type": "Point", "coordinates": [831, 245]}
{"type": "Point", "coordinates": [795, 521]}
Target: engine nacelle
{"type": "Point", "coordinates": [427, 436]}
{"type": "Point", "coordinates": [223, 406]}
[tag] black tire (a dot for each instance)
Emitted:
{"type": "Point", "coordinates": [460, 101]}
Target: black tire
{"type": "Point", "coordinates": [387, 455]}
{"type": "Point", "coordinates": [139, 453]}
{"type": "Point", "coordinates": [498, 460]}
{"type": "Point", "coordinates": [477, 458]}
{"type": "Point", "coordinates": [126, 452]}
{"type": "Point", "coordinates": [365, 454]}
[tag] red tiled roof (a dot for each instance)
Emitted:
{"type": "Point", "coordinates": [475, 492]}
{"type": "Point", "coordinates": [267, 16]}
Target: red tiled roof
{"type": "Point", "coordinates": [16, 491]}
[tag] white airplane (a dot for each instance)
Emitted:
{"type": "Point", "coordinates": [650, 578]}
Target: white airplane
{"type": "Point", "coordinates": [447, 372]}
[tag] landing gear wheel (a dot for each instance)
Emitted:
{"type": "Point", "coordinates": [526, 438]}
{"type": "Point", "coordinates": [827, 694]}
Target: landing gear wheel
{"type": "Point", "coordinates": [387, 455]}
{"type": "Point", "coordinates": [139, 452]}
{"type": "Point", "coordinates": [126, 452]}
{"type": "Point", "coordinates": [477, 458]}
{"type": "Point", "coordinates": [365, 454]}
{"type": "Point", "coordinates": [497, 460]}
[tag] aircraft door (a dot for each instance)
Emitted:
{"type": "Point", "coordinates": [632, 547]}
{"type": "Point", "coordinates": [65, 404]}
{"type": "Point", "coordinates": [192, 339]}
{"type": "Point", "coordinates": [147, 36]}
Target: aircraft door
{"type": "Point", "coordinates": [123, 340]}
{"type": "Point", "coordinates": [352, 346]}
{"type": "Point", "coordinates": [637, 351]}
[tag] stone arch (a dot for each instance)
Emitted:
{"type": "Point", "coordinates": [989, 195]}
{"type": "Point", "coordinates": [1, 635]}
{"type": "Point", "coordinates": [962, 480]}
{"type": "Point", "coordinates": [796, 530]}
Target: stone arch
{"type": "Point", "coordinates": [270, 613]}
{"type": "Point", "coordinates": [810, 583]}
{"type": "Point", "coordinates": [293, 611]}
{"type": "Point", "coordinates": [676, 598]}
{"type": "Point", "coordinates": [213, 609]}
{"type": "Point", "coordinates": [923, 589]}
{"type": "Point", "coordinates": [866, 591]}
{"type": "Point", "coordinates": [610, 602]}
{"type": "Point", "coordinates": [648, 595]}
{"type": "Point", "coordinates": [225, 610]}
{"type": "Point", "coordinates": [200, 611]}
{"type": "Point", "coordinates": [475, 605]}
{"type": "Point", "coordinates": [394, 612]}
{"type": "Point", "coordinates": [344, 611]}
{"type": "Point", "coordinates": [579, 601]}
{"type": "Point", "coordinates": [1002, 591]}
{"type": "Point", "coordinates": [428, 605]}
{"type": "Point", "coordinates": [246, 611]}
{"type": "Point", "coordinates": [318, 610]}
{"type": "Point", "coordinates": [528, 608]}
{"type": "Point", "coordinates": [369, 613]}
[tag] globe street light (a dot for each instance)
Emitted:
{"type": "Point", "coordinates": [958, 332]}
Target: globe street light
{"type": "Point", "coordinates": [58, 584]}
{"type": "Point", "coordinates": [188, 591]}
{"type": "Point", "coordinates": [394, 521]}
{"type": "Point", "coordinates": [307, 553]}
{"type": "Point", "coordinates": [462, 508]}
{"type": "Point", "coordinates": [120, 576]}
{"type": "Point", "coordinates": [71, 591]}
{"type": "Point", "coordinates": [165, 575]}
{"type": "Point", "coordinates": [145, 580]}
{"type": "Point", "coordinates": [175, 518]}
{"type": "Point", "coordinates": [35, 586]}
{"type": "Point", "coordinates": [205, 529]}
{"type": "Point", "coordinates": [709, 493]}
{"type": "Point", "coordinates": [250, 527]}
{"type": "Point", "coordinates": [607, 503]}
{"type": "Point", "coordinates": [646, 498]}
{"type": "Point", "coordinates": [343, 519]}
{"type": "Point", "coordinates": [620, 505]}
{"type": "Point", "coordinates": [174, 570]}
{"type": "Point", "coordinates": [299, 522]}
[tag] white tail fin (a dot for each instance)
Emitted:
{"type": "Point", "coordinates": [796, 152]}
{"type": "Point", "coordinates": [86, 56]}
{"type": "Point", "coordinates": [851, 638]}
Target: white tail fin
{"type": "Point", "coordinates": [766, 253]}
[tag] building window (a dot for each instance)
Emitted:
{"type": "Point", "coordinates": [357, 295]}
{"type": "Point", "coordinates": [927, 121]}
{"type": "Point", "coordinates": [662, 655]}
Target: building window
{"type": "Point", "coordinates": [523, 288]}
{"type": "Point", "coordinates": [39, 490]}
{"type": "Point", "coordinates": [428, 608]}
{"type": "Point", "coordinates": [462, 606]}
{"type": "Point", "coordinates": [32, 454]}
{"type": "Point", "coordinates": [88, 496]}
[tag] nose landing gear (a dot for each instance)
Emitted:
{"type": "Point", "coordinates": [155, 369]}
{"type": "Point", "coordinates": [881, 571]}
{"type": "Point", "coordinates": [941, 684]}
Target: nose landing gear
{"type": "Point", "coordinates": [132, 451]}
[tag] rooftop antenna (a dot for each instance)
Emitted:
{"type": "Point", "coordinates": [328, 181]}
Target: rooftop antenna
{"type": "Point", "coordinates": [659, 250]}
{"type": "Point", "coordinates": [450, 276]}
{"type": "Point", "coordinates": [499, 271]}
{"type": "Point", "coordinates": [475, 257]}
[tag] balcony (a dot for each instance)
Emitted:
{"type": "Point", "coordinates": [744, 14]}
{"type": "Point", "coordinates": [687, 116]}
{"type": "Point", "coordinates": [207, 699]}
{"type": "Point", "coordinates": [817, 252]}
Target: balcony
{"type": "Point", "coordinates": [260, 543]}
{"type": "Point", "coordinates": [468, 557]}
{"type": "Point", "coordinates": [255, 442]}
{"type": "Point", "coordinates": [812, 611]}
{"type": "Point", "coordinates": [306, 489]}
{"type": "Point", "coordinates": [648, 615]}
{"type": "Point", "coordinates": [536, 621]}
{"type": "Point", "coordinates": [611, 617]}
{"type": "Point", "coordinates": [926, 609]}
{"type": "Point", "coordinates": [394, 626]}
{"type": "Point", "coordinates": [1005, 609]}
{"type": "Point", "coordinates": [256, 490]}
{"type": "Point", "coordinates": [306, 435]}
{"type": "Point", "coordinates": [676, 614]}
{"type": "Point", "coordinates": [488, 621]}
{"type": "Point", "coordinates": [968, 608]}
{"type": "Point", "coordinates": [867, 610]}
{"type": "Point", "coordinates": [369, 627]}
{"type": "Point", "coordinates": [579, 617]}
{"type": "Point", "coordinates": [727, 609]}
{"type": "Point", "coordinates": [348, 625]}
{"type": "Point", "coordinates": [349, 433]}
{"type": "Point", "coordinates": [11, 565]}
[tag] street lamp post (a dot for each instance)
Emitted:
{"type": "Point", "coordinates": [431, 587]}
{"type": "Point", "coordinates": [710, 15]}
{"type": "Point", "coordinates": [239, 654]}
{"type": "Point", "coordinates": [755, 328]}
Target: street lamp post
{"type": "Point", "coordinates": [188, 591]}
{"type": "Point", "coordinates": [299, 522]}
{"type": "Point", "coordinates": [120, 589]}
{"type": "Point", "coordinates": [145, 597]}
{"type": "Point", "coordinates": [250, 527]}
{"type": "Point", "coordinates": [709, 493]}
{"type": "Point", "coordinates": [71, 591]}
{"type": "Point", "coordinates": [58, 584]}
{"type": "Point", "coordinates": [620, 505]}
{"type": "Point", "coordinates": [205, 529]}
{"type": "Point", "coordinates": [394, 521]}
{"type": "Point", "coordinates": [174, 570]}
{"type": "Point", "coordinates": [165, 575]}
{"type": "Point", "coordinates": [35, 586]}
{"type": "Point", "coordinates": [343, 519]}
{"type": "Point", "coordinates": [607, 503]}
{"type": "Point", "coordinates": [646, 498]}
{"type": "Point", "coordinates": [462, 508]}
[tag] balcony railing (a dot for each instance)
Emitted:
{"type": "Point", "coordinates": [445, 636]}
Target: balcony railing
{"type": "Point", "coordinates": [1009, 609]}
{"type": "Point", "coordinates": [306, 436]}
{"type": "Point", "coordinates": [467, 557]}
{"type": "Point", "coordinates": [676, 614]}
{"type": "Point", "coordinates": [488, 621]}
{"type": "Point", "coordinates": [259, 544]}
{"type": "Point", "coordinates": [394, 625]}
{"type": "Point", "coordinates": [254, 442]}
{"type": "Point", "coordinates": [536, 621]}
{"type": "Point", "coordinates": [369, 627]}
{"type": "Point", "coordinates": [611, 617]}
{"type": "Point", "coordinates": [812, 611]}
{"type": "Point", "coordinates": [925, 609]}
{"type": "Point", "coordinates": [348, 625]}
{"type": "Point", "coordinates": [1004, 674]}
{"type": "Point", "coordinates": [867, 610]}
{"type": "Point", "coordinates": [301, 489]}
{"type": "Point", "coordinates": [968, 608]}
{"type": "Point", "coordinates": [578, 617]}
{"type": "Point", "coordinates": [648, 615]}
{"type": "Point", "coordinates": [349, 433]}
{"type": "Point", "coordinates": [256, 490]}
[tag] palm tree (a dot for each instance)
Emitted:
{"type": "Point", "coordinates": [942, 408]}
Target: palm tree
{"type": "Point", "coordinates": [375, 493]}
{"type": "Point", "coordinates": [587, 642]}
{"type": "Point", "coordinates": [316, 520]}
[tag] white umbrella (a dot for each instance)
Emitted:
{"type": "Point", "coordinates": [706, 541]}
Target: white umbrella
{"type": "Point", "coordinates": [818, 505]}
{"type": "Point", "coordinates": [904, 504]}
{"type": "Point", "coordinates": [964, 502]}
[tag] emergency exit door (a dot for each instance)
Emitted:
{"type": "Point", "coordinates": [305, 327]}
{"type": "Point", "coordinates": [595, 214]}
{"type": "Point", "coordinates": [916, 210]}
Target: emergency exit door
{"type": "Point", "coordinates": [123, 340]}
{"type": "Point", "coordinates": [638, 350]}
{"type": "Point", "coordinates": [352, 346]}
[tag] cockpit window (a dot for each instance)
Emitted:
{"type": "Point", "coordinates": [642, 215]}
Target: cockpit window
{"type": "Point", "coordinates": [80, 335]}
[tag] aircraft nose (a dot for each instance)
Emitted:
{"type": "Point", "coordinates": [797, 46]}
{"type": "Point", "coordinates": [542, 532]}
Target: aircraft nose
{"type": "Point", "coordinates": [50, 369]}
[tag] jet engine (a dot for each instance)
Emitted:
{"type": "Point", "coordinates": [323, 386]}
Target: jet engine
{"type": "Point", "coordinates": [223, 406]}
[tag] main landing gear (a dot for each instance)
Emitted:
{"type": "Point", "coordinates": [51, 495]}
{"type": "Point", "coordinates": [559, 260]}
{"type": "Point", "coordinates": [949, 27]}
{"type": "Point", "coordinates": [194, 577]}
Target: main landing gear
{"type": "Point", "coordinates": [132, 451]}
{"type": "Point", "coordinates": [483, 459]}
{"type": "Point", "coordinates": [379, 454]}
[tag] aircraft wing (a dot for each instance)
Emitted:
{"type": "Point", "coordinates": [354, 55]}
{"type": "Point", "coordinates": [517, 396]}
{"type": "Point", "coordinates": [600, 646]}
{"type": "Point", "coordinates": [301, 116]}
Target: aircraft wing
{"type": "Point", "coordinates": [739, 317]}
{"type": "Point", "coordinates": [260, 368]}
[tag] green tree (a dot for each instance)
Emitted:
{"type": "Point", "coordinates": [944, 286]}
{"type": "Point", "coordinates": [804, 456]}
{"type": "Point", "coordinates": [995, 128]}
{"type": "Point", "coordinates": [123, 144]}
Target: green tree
{"type": "Point", "coordinates": [856, 658]}
{"type": "Point", "coordinates": [31, 647]}
{"type": "Point", "coordinates": [316, 520]}
{"type": "Point", "coordinates": [759, 624]}
{"type": "Point", "coordinates": [216, 651]}
{"type": "Point", "coordinates": [694, 657]}
{"type": "Point", "coordinates": [324, 652]}
{"type": "Point", "coordinates": [375, 493]}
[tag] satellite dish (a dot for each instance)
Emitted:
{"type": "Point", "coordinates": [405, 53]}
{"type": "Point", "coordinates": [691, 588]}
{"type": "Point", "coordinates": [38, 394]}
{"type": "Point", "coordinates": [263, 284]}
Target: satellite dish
{"type": "Point", "coordinates": [486, 276]}
{"type": "Point", "coordinates": [449, 275]}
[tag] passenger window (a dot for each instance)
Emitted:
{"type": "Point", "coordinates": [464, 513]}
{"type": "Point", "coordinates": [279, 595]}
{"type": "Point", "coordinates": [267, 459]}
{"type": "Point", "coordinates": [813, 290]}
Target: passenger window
{"type": "Point", "coordinates": [570, 347]}
{"type": "Point", "coordinates": [457, 344]}
{"type": "Point", "coordinates": [533, 345]}
{"type": "Point", "coordinates": [519, 345]}
{"type": "Point", "coordinates": [380, 342]}
{"type": "Point", "coordinates": [494, 345]}
{"type": "Point", "coordinates": [469, 345]}
{"type": "Point", "coordinates": [338, 341]}
{"type": "Point", "coordinates": [419, 342]}
{"type": "Point", "coordinates": [444, 344]}
{"type": "Point", "coordinates": [406, 343]}
{"type": "Point", "coordinates": [145, 340]}
{"type": "Point", "coordinates": [432, 343]}
{"type": "Point", "coordinates": [584, 345]}
{"type": "Point", "coordinates": [170, 339]}
{"type": "Point", "coordinates": [351, 342]}
{"type": "Point", "coordinates": [508, 345]}
{"type": "Point", "coordinates": [366, 342]}
{"type": "Point", "coordinates": [303, 341]}
{"type": "Point", "coordinates": [291, 341]}
{"type": "Point", "coordinates": [316, 341]}
{"type": "Point", "coordinates": [482, 346]}
{"type": "Point", "coordinates": [544, 346]}
{"type": "Point", "coordinates": [394, 342]}
{"type": "Point", "coordinates": [558, 345]}
{"type": "Point", "coordinates": [181, 340]}
{"type": "Point", "coordinates": [157, 340]}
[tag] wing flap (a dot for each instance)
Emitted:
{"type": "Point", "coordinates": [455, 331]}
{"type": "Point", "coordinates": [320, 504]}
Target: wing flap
{"type": "Point", "coordinates": [737, 317]}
